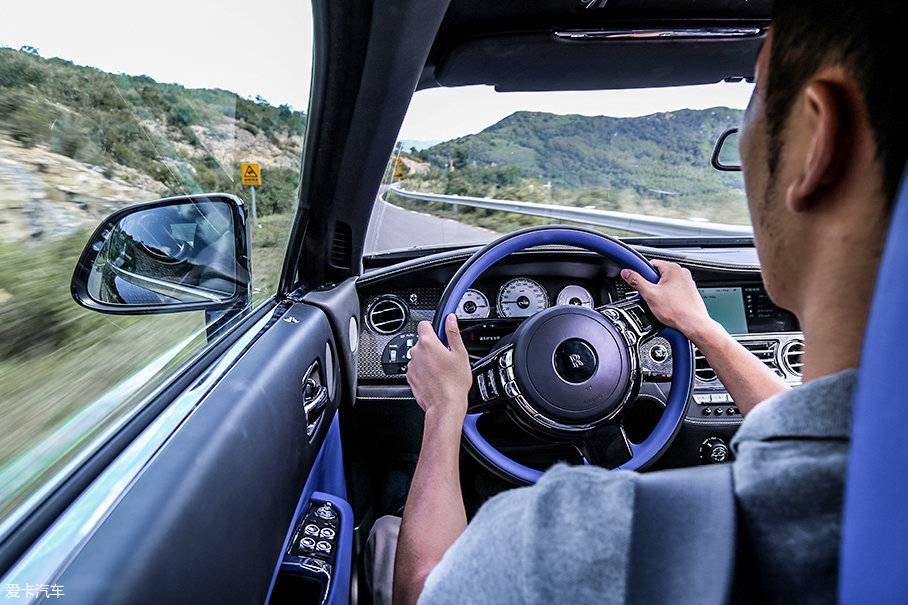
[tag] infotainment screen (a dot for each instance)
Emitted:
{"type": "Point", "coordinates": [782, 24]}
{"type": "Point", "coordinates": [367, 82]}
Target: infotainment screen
{"type": "Point", "coordinates": [746, 309]}
{"type": "Point", "coordinates": [726, 305]}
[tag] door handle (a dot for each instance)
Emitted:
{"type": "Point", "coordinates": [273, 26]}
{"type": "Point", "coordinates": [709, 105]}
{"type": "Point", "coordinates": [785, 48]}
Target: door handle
{"type": "Point", "coordinates": [315, 397]}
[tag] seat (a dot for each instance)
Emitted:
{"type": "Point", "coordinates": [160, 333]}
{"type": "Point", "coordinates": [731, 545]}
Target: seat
{"type": "Point", "coordinates": [874, 550]}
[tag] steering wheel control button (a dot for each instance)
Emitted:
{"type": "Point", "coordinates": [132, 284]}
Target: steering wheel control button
{"type": "Point", "coordinates": [324, 546]}
{"type": "Point", "coordinates": [311, 530]}
{"type": "Point", "coordinates": [327, 533]}
{"type": "Point", "coordinates": [575, 361]}
{"type": "Point", "coordinates": [714, 451]}
{"type": "Point", "coordinates": [511, 390]}
{"type": "Point", "coordinates": [491, 384]}
{"type": "Point", "coordinates": [481, 385]}
{"type": "Point", "coordinates": [658, 353]}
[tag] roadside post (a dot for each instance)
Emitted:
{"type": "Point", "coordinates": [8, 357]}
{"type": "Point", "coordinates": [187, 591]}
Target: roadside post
{"type": "Point", "coordinates": [251, 174]}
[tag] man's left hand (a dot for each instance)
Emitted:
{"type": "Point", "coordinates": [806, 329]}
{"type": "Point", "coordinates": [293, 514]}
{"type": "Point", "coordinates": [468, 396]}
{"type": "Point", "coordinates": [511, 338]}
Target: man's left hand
{"type": "Point", "coordinates": [440, 376]}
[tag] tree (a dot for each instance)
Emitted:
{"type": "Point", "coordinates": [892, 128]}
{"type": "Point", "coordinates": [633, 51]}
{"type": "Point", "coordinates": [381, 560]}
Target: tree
{"type": "Point", "coordinates": [461, 157]}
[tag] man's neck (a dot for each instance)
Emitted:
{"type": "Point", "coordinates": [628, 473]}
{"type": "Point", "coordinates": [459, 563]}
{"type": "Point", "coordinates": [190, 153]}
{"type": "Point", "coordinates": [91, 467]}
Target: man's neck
{"type": "Point", "coordinates": [834, 316]}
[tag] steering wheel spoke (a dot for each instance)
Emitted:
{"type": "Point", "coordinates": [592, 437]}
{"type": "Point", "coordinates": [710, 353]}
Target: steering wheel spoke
{"type": "Point", "coordinates": [633, 317]}
{"type": "Point", "coordinates": [606, 446]}
{"type": "Point", "coordinates": [493, 381]}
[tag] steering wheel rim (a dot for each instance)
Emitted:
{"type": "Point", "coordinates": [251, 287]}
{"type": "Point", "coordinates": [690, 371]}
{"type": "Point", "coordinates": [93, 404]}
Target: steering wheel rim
{"type": "Point", "coordinates": [682, 356]}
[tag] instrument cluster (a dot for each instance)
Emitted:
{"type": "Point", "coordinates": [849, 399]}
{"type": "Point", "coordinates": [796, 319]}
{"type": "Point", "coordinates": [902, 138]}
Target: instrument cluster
{"type": "Point", "coordinates": [522, 297]}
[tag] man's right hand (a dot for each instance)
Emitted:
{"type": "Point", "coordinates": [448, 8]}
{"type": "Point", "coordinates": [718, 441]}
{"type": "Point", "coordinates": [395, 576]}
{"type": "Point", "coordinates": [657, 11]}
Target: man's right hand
{"type": "Point", "coordinates": [674, 300]}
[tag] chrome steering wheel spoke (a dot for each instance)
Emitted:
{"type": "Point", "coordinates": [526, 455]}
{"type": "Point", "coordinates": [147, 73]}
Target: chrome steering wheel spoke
{"type": "Point", "coordinates": [493, 381]}
{"type": "Point", "coordinates": [633, 317]}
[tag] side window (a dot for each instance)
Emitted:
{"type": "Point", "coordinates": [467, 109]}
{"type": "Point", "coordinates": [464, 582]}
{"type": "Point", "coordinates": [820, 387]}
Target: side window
{"type": "Point", "coordinates": [102, 107]}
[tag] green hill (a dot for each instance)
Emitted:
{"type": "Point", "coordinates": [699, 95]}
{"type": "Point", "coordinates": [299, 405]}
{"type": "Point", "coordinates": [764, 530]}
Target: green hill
{"type": "Point", "coordinates": [663, 152]}
{"type": "Point", "coordinates": [160, 137]}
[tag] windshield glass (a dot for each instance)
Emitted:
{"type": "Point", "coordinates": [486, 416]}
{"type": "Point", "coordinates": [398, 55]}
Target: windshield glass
{"type": "Point", "coordinates": [471, 164]}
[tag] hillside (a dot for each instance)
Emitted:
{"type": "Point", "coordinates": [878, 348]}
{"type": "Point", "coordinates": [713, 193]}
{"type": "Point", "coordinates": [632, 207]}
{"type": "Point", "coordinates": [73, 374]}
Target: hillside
{"type": "Point", "coordinates": [78, 142]}
{"type": "Point", "coordinates": [663, 152]}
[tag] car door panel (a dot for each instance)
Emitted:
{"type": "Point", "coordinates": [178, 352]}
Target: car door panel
{"type": "Point", "coordinates": [206, 519]}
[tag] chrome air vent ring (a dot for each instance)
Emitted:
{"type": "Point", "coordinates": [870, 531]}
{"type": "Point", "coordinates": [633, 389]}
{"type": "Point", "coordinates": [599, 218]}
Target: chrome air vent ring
{"type": "Point", "coordinates": [792, 357]}
{"type": "Point", "coordinates": [388, 315]}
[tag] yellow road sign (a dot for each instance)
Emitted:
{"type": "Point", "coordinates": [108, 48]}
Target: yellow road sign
{"type": "Point", "coordinates": [398, 169]}
{"type": "Point", "coordinates": [251, 174]}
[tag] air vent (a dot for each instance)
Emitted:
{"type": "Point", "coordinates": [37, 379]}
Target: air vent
{"type": "Point", "coordinates": [387, 315]}
{"type": "Point", "coordinates": [342, 246]}
{"type": "Point", "coordinates": [702, 369]}
{"type": "Point", "coordinates": [764, 350]}
{"type": "Point", "coordinates": [793, 357]}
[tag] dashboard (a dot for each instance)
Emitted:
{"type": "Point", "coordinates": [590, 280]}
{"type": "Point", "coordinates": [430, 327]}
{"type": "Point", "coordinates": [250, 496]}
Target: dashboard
{"type": "Point", "coordinates": [395, 299]}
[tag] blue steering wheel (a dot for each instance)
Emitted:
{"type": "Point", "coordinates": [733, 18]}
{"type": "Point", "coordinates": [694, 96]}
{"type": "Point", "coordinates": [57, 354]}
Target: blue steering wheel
{"type": "Point", "coordinates": [568, 373]}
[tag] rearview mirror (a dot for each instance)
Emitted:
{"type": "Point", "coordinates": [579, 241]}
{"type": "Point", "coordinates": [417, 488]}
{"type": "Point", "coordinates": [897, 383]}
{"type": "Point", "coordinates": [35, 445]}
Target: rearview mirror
{"type": "Point", "coordinates": [726, 155]}
{"type": "Point", "coordinates": [184, 253]}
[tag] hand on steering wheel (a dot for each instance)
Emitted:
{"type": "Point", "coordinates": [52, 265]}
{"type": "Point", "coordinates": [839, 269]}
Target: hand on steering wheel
{"type": "Point", "coordinates": [568, 373]}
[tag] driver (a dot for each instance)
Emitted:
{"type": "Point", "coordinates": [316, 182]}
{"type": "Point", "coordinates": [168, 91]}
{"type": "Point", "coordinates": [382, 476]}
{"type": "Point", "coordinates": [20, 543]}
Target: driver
{"type": "Point", "coordinates": [823, 143]}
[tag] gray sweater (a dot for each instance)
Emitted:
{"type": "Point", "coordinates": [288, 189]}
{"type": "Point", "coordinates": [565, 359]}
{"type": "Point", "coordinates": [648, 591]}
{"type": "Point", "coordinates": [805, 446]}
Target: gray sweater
{"type": "Point", "coordinates": [566, 539]}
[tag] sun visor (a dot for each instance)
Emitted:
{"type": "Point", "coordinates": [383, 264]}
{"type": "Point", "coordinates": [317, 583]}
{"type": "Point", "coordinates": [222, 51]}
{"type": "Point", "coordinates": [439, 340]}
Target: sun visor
{"type": "Point", "coordinates": [593, 60]}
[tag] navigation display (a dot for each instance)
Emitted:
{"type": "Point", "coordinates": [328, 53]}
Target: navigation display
{"type": "Point", "coordinates": [726, 305]}
{"type": "Point", "coordinates": [747, 309]}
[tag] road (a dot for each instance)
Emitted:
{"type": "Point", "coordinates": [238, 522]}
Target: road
{"type": "Point", "coordinates": [396, 228]}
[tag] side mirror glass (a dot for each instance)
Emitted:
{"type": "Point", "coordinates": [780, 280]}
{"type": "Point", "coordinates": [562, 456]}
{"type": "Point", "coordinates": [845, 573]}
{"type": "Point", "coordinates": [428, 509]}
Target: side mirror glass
{"type": "Point", "coordinates": [183, 253]}
{"type": "Point", "coordinates": [726, 155]}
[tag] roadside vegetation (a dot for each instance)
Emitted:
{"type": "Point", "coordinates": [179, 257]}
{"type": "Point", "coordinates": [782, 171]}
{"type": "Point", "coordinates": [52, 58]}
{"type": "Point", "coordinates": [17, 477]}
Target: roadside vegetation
{"type": "Point", "coordinates": [77, 355]}
{"type": "Point", "coordinates": [174, 139]}
{"type": "Point", "coordinates": [56, 358]}
{"type": "Point", "coordinates": [656, 165]}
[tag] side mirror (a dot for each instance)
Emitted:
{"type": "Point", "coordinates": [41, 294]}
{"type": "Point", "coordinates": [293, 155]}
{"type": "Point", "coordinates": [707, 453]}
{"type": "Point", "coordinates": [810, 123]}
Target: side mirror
{"type": "Point", "coordinates": [726, 155]}
{"type": "Point", "coordinates": [184, 253]}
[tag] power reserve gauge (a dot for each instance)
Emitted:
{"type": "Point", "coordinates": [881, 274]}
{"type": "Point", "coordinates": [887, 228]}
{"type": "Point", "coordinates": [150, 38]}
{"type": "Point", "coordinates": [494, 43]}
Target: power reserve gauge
{"type": "Point", "coordinates": [575, 295]}
{"type": "Point", "coordinates": [473, 305]}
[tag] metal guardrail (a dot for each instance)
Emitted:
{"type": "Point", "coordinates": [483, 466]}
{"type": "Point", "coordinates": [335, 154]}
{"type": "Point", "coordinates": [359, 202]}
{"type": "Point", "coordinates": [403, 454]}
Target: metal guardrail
{"type": "Point", "coordinates": [634, 223]}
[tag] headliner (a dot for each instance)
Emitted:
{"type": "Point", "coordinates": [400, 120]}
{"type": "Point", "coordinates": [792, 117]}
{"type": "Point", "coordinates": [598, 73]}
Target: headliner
{"type": "Point", "coordinates": [514, 44]}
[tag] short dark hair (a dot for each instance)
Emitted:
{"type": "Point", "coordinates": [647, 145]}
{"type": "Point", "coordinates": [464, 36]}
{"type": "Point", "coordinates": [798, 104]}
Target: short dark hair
{"type": "Point", "coordinates": [868, 39]}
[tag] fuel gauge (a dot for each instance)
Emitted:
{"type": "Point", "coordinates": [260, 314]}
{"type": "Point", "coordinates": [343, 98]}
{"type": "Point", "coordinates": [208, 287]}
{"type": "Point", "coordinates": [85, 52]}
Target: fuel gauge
{"type": "Point", "coordinates": [473, 305]}
{"type": "Point", "coordinates": [575, 295]}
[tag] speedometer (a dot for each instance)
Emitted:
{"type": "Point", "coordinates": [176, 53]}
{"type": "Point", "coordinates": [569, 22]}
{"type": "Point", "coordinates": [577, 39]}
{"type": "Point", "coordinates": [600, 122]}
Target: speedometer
{"type": "Point", "coordinates": [575, 295]}
{"type": "Point", "coordinates": [473, 305]}
{"type": "Point", "coordinates": [521, 297]}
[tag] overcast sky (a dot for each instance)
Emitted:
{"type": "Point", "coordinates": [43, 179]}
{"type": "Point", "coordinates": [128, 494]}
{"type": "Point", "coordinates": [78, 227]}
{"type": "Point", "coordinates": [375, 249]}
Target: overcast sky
{"type": "Point", "coordinates": [264, 48]}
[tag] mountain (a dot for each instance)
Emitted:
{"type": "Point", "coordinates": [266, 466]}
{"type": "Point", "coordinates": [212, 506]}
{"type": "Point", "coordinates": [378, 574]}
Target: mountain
{"type": "Point", "coordinates": [663, 153]}
{"type": "Point", "coordinates": [78, 142]}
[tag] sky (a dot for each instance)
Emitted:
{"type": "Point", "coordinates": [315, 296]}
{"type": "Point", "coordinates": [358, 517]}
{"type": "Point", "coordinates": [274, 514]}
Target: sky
{"type": "Point", "coordinates": [264, 48]}
{"type": "Point", "coordinates": [260, 47]}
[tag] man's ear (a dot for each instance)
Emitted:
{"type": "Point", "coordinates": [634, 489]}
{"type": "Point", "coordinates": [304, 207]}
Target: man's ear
{"type": "Point", "coordinates": [825, 114]}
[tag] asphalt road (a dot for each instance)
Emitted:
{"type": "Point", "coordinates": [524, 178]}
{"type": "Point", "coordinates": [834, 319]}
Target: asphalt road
{"type": "Point", "coordinates": [396, 228]}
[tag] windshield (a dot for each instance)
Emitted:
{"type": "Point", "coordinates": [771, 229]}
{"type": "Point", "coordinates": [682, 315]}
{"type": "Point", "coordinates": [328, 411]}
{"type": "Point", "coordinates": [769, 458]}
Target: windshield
{"type": "Point", "coordinates": [471, 164]}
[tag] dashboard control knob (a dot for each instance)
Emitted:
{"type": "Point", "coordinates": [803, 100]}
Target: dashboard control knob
{"type": "Point", "coordinates": [714, 451]}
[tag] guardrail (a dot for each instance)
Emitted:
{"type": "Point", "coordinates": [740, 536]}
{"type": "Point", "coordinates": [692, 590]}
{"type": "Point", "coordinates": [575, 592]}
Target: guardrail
{"type": "Point", "coordinates": [634, 223]}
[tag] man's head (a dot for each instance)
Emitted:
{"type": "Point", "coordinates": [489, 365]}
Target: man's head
{"type": "Point", "coordinates": [825, 137]}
